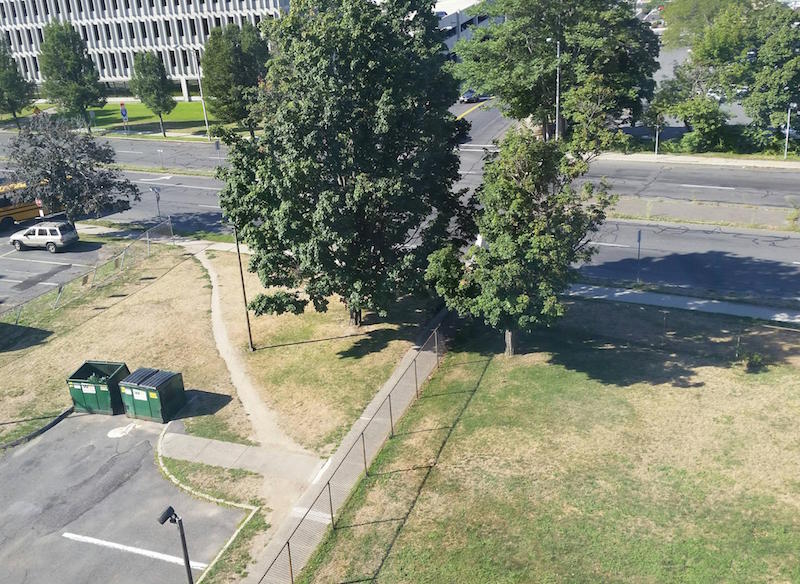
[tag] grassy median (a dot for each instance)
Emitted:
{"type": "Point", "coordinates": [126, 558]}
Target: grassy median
{"type": "Point", "coordinates": [619, 446]}
{"type": "Point", "coordinates": [314, 369]}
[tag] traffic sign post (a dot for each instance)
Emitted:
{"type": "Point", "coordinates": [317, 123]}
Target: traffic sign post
{"type": "Point", "coordinates": [157, 192]}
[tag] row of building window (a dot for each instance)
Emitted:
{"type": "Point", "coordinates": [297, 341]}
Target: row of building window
{"type": "Point", "coordinates": [13, 9]}
{"type": "Point", "coordinates": [108, 65]}
{"type": "Point", "coordinates": [154, 32]}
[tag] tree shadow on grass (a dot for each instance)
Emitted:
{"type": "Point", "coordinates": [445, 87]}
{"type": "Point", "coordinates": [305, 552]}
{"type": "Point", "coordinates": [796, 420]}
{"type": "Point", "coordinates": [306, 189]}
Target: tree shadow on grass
{"type": "Point", "coordinates": [14, 337]}
{"type": "Point", "coordinates": [202, 403]}
{"type": "Point", "coordinates": [405, 318]}
{"type": "Point", "coordinates": [624, 345]}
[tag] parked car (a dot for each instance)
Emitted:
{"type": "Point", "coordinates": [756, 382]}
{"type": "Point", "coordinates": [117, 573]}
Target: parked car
{"type": "Point", "coordinates": [50, 235]}
{"type": "Point", "coordinates": [469, 96]}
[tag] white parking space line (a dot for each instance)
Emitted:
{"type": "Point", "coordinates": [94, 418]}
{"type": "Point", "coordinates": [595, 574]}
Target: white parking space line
{"type": "Point", "coordinates": [210, 206]}
{"type": "Point", "coordinates": [129, 152]}
{"type": "Point", "coordinates": [134, 550]}
{"type": "Point", "coordinates": [45, 262]}
{"type": "Point", "coordinates": [603, 244]}
{"type": "Point", "coordinates": [796, 263]}
{"type": "Point", "coordinates": [708, 187]}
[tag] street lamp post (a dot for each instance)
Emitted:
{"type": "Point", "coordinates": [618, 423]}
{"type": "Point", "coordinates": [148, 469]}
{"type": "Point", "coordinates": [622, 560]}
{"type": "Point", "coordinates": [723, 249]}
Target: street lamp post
{"type": "Point", "coordinates": [558, 84]}
{"type": "Point", "coordinates": [244, 293]}
{"type": "Point", "coordinates": [169, 515]}
{"type": "Point", "coordinates": [200, 87]}
{"type": "Point", "coordinates": [792, 106]}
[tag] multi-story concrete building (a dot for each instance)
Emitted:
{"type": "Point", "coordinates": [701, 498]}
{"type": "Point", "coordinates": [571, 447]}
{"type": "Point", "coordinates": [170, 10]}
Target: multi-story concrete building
{"type": "Point", "coordinates": [116, 29]}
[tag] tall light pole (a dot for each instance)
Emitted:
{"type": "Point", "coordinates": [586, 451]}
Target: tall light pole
{"type": "Point", "coordinates": [200, 87]}
{"type": "Point", "coordinates": [792, 106]}
{"type": "Point", "coordinates": [244, 293]}
{"type": "Point", "coordinates": [169, 515]}
{"type": "Point", "coordinates": [558, 84]}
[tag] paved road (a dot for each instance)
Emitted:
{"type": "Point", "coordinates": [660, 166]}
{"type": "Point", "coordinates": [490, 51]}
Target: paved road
{"type": "Point", "coordinates": [80, 481]}
{"type": "Point", "coordinates": [716, 259]}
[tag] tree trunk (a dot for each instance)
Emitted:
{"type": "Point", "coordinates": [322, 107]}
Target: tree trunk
{"type": "Point", "coordinates": [16, 120]}
{"type": "Point", "coordinates": [355, 317]}
{"type": "Point", "coordinates": [87, 122]}
{"type": "Point", "coordinates": [161, 123]}
{"type": "Point", "coordinates": [252, 132]}
{"type": "Point", "coordinates": [511, 342]}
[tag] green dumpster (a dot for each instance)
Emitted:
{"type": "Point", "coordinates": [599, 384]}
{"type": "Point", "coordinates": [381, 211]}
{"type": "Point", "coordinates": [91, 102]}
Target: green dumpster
{"type": "Point", "coordinates": [152, 394]}
{"type": "Point", "coordinates": [94, 387]}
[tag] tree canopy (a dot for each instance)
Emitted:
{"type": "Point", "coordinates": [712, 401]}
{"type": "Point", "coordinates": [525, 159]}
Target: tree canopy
{"type": "Point", "coordinates": [534, 227]}
{"type": "Point", "coordinates": [151, 85]}
{"type": "Point", "coordinates": [66, 169]}
{"type": "Point", "coordinates": [70, 77]}
{"type": "Point", "coordinates": [16, 93]}
{"type": "Point", "coordinates": [514, 58]}
{"type": "Point", "coordinates": [687, 19]}
{"type": "Point", "coordinates": [234, 61]}
{"type": "Point", "coordinates": [348, 189]}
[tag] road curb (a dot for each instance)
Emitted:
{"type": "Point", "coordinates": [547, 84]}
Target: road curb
{"type": "Point", "coordinates": [38, 432]}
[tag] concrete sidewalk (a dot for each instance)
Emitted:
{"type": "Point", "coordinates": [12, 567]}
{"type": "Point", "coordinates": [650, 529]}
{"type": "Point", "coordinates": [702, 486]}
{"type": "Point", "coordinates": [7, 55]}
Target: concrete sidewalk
{"type": "Point", "coordinates": [674, 301]}
{"type": "Point", "coordinates": [739, 162]}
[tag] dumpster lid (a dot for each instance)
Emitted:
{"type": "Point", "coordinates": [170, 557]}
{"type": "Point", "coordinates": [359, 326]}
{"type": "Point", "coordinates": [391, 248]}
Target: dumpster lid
{"type": "Point", "coordinates": [148, 377]}
{"type": "Point", "coordinates": [138, 376]}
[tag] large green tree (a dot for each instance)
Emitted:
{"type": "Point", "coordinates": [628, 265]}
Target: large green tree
{"type": "Point", "coordinates": [70, 77]}
{"type": "Point", "coordinates": [16, 93]}
{"type": "Point", "coordinates": [534, 228]}
{"type": "Point", "coordinates": [234, 61]}
{"type": "Point", "coordinates": [350, 186]}
{"type": "Point", "coordinates": [513, 59]}
{"type": "Point", "coordinates": [151, 85]}
{"type": "Point", "coordinates": [67, 170]}
{"type": "Point", "coordinates": [687, 19]}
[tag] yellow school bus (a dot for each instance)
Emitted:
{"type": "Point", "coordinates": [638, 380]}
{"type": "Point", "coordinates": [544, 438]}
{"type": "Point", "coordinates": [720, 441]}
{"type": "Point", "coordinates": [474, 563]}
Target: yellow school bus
{"type": "Point", "coordinates": [11, 213]}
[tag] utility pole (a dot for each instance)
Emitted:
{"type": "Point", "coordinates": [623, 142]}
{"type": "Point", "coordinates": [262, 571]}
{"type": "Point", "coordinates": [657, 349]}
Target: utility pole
{"type": "Point", "coordinates": [558, 87]}
{"type": "Point", "coordinates": [244, 293]}
{"type": "Point", "coordinates": [200, 86]}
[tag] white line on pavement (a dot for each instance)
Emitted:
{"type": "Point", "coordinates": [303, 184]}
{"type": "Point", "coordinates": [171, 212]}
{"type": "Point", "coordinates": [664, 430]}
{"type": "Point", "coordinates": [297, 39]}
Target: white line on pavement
{"type": "Point", "coordinates": [708, 187]}
{"type": "Point", "coordinates": [321, 472]}
{"type": "Point", "coordinates": [167, 177]}
{"type": "Point", "coordinates": [177, 185]}
{"type": "Point", "coordinates": [603, 244]}
{"type": "Point", "coordinates": [45, 262]}
{"type": "Point", "coordinates": [129, 152]}
{"type": "Point", "coordinates": [471, 150]}
{"type": "Point", "coordinates": [133, 550]}
{"type": "Point", "coordinates": [796, 263]}
{"type": "Point", "coordinates": [470, 144]}
{"type": "Point", "coordinates": [313, 515]}
{"type": "Point", "coordinates": [210, 206]}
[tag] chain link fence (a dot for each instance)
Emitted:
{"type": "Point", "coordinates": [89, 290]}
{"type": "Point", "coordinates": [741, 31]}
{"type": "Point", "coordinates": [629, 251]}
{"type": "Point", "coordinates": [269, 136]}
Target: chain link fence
{"type": "Point", "coordinates": [321, 514]}
{"type": "Point", "coordinates": [40, 308]}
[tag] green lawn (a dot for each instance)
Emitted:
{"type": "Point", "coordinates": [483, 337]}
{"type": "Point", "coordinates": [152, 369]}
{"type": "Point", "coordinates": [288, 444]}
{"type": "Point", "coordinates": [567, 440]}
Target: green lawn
{"type": "Point", "coordinates": [614, 449]}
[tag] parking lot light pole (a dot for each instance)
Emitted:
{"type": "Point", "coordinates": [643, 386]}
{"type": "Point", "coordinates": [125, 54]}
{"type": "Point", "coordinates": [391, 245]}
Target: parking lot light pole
{"type": "Point", "coordinates": [244, 293]}
{"type": "Point", "coordinates": [792, 106]}
{"type": "Point", "coordinates": [169, 515]}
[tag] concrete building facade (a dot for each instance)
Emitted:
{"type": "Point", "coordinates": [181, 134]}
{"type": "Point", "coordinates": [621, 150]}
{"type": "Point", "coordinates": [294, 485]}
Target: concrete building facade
{"type": "Point", "coordinates": [114, 30]}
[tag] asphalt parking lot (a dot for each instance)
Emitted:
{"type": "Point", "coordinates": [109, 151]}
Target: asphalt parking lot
{"type": "Point", "coordinates": [80, 504]}
{"type": "Point", "coordinates": [31, 272]}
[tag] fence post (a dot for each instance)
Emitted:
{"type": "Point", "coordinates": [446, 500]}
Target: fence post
{"type": "Point", "coordinates": [364, 451]}
{"type": "Point", "coordinates": [94, 276]}
{"type": "Point", "coordinates": [391, 421]}
{"type": "Point", "coordinates": [19, 313]}
{"type": "Point", "coordinates": [330, 501]}
{"type": "Point", "coordinates": [147, 233]}
{"type": "Point", "coordinates": [436, 344]}
{"type": "Point", "coordinates": [416, 379]}
{"type": "Point", "coordinates": [291, 571]}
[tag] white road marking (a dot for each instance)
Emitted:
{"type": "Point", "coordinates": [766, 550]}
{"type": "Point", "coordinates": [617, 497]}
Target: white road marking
{"type": "Point", "coordinates": [129, 152]}
{"type": "Point", "coordinates": [134, 550]}
{"type": "Point", "coordinates": [9, 281]}
{"type": "Point", "coordinates": [603, 244]}
{"type": "Point", "coordinates": [471, 150]}
{"type": "Point", "coordinates": [210, 206]}
{"type": "Point", "coordinates": [8, 253]}
{"type": "Point", "coordinates": [470, 144]}
{"type": "Point", "coordinates": [796, 263]}
{"type": "Point", "coordinates": [317, 516]}
{"type": "Point", "coordinates": [321, 472]}
{"type": "Point", "coordinates": [167, 177]}
{"type": "Point", "coordinates": [709, 187]}
{"type": "Point", "coordinates": [122, 430]}
{"type": "Point", "coordinates": [177, 185]}
{"type": "Point", "coordinates": [45, 262]}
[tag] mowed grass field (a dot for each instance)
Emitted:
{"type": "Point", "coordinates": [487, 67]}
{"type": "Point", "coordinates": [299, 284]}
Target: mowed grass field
{"type": "Point", "coordinates": [623, 445]}
{"type": "Point", "coordinates": [156, 314]}
{"type": "Point", "coordinates": [314, 369]}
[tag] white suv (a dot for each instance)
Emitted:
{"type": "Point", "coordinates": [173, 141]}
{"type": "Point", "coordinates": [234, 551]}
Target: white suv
{"type": "Point", "coordinates": [51, 235]}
